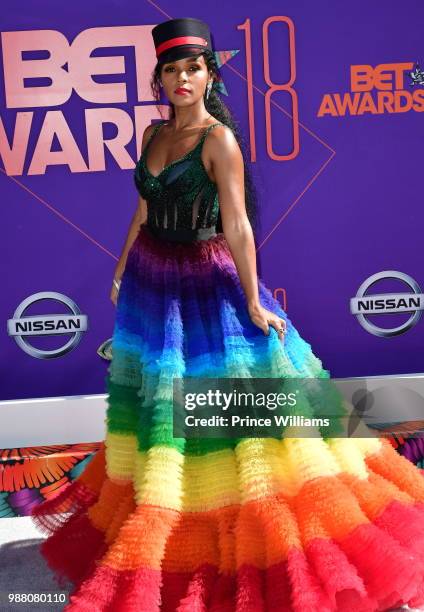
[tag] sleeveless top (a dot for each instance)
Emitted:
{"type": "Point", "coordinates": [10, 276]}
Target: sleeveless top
{"type": "Point", "coordinates": [182, 201]}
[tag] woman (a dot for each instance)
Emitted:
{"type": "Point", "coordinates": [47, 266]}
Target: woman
{"type": "Point", "coordinates": [157, 522]}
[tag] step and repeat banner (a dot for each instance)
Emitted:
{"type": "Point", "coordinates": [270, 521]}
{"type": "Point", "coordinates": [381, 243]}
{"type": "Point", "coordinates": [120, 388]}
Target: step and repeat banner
{"type": "Point", "coordinates": [330, 100]}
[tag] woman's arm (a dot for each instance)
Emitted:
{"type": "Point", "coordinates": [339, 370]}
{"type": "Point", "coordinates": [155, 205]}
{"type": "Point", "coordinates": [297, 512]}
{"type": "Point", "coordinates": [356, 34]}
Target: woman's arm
{"type": "Point", "coordinates": [139, 218]}
{"type": "Point", "coordinates": [228, 169]}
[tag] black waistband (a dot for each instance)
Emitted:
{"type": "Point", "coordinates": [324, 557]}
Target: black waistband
{"type": "Point", "coordinates": [182, 235]}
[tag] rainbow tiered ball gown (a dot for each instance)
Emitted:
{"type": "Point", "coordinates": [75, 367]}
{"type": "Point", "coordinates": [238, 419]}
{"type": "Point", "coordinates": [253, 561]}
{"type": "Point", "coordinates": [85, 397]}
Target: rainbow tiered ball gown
{"type": "Point", "coordinates": [221, 525]}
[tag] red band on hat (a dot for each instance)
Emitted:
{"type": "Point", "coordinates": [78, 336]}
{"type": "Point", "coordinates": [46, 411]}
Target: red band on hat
{"type": "Point", "coordinates": [181, 40]}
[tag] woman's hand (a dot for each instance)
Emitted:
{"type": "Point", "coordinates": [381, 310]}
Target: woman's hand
{"type": "Point", "coordinates": [117, 275]}
{"type": "Point", "coordinates": [114, 290]}
{"type": "Point", "coordinates": [262, 317]}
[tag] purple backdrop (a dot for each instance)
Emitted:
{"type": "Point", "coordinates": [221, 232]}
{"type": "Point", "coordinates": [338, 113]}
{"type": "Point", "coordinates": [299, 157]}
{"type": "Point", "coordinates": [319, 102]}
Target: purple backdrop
{"type": "Point", "coordinates": [346, 206]}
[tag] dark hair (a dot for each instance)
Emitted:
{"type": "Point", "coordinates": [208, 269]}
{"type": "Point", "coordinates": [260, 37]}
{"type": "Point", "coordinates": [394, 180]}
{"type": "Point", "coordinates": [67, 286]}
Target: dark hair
{"type": "Point", "coordinates": [216, 107]}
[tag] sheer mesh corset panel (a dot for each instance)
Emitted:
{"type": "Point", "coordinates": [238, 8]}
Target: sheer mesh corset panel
{"type": "Point", "coordinates": [181, 196]}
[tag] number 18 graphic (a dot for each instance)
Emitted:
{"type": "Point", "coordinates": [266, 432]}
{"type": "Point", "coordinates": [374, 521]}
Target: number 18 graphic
{"type": "Point", "coordinates": [272, 87]}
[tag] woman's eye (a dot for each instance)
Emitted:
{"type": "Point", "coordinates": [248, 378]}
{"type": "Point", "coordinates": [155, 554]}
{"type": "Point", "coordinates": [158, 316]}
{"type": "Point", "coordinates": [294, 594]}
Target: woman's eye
{"type": "Point", "coordinates": [171, 68]}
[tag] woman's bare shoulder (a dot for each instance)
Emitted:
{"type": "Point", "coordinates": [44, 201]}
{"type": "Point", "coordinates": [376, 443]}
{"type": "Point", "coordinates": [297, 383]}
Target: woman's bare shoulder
{"type": "Point", "coordinates": [147, 133]}
{"type": "Point", "coordinates": [221, 141]}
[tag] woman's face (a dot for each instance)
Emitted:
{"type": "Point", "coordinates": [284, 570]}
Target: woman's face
{"type": "Point", "coordinates": [191, 74]}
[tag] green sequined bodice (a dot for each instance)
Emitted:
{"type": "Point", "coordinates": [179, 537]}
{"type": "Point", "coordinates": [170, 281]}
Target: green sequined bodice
{"type": "Point", "coordinates": [182, 196]}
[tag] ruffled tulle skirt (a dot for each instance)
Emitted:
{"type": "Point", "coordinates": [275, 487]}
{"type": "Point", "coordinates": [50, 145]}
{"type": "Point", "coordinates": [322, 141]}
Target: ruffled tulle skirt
{"type": "Point", "coordinates": [156, 522]}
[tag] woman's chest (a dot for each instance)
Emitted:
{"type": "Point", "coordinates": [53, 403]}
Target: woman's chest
{"type": "Point", "coordinates": [182, 179]}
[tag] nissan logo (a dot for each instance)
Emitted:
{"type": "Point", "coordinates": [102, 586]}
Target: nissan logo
{"type": "Point", "coordinates": [22, 327]}
{"type": "Point", "coordinates": [365, 304]}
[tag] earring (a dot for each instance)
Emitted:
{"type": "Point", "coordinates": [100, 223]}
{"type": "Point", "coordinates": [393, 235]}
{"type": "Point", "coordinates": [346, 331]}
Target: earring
{"type": "Point", "coordinates": [160, 83]}
{"type": "Point", "coordinates": [208, 89]}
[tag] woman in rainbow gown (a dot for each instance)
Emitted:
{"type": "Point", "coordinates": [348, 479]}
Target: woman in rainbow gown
{"type": "Point", "coordinates": [161, 522]}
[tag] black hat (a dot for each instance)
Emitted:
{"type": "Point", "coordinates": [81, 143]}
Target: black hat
{"type": "Point", "coordinates": [178, 38]}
